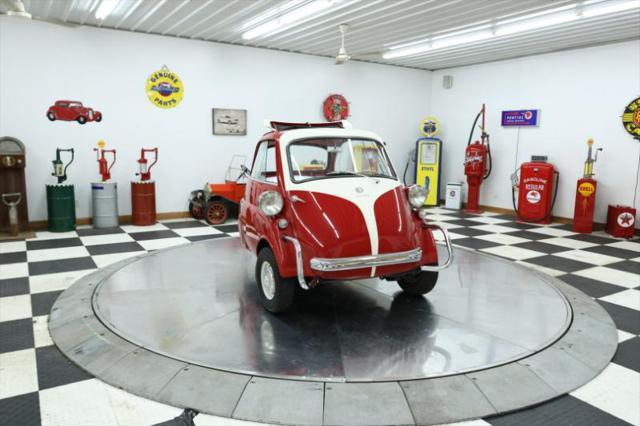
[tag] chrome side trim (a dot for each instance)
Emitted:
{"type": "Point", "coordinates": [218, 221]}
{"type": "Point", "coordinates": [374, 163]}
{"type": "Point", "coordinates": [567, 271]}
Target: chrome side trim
{"type": "Point", "coordinates": [299, 265]}
{"type": "Point", "coordinates": [369, 261]}
{"type": "Point", "coordinates": [447, 242]}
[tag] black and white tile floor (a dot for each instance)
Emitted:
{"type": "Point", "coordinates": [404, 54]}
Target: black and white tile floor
{"type": "Point", "coordinates": [39, 386]}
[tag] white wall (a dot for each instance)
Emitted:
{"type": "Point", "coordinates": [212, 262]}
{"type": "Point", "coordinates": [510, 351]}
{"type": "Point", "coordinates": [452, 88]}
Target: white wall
{"type": "Point", "coordinates": [581, 94]}
{"type": "Point", "coordinates": [107, 70]}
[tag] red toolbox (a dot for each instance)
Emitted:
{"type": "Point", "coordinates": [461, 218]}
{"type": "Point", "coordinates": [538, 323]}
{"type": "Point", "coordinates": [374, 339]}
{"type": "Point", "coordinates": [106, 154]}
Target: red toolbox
{"type": "Point", "coordinates": [620, 221]}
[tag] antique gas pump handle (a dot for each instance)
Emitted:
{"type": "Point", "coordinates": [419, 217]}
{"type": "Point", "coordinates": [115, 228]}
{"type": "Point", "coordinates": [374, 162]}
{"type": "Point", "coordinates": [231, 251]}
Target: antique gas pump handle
{"type": "Point", "coordinates": [71, 161]}
{"type": "Point", "coordinates": [113, 161]}
{"type": "Point", "coordinates": [448, 246]}
{"type": "Point", "coordinates": [5, 199]}
{"type": "Point", "coordinates": [155, 156]}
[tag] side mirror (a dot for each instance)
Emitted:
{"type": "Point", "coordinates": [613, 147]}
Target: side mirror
{"type": "Point", "coordinates": [245, 170]}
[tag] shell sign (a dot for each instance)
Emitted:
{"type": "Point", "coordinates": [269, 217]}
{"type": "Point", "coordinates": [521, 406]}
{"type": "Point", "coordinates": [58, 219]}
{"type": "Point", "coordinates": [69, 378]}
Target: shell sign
{"type": "Point", "coordinates": [586, 189]}
{"type": "Point", "coordinates": [164, 88]}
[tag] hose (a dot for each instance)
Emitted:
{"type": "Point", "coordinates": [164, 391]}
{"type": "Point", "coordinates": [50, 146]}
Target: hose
{"type": "Point", "coordinates": [489, 160]}
{"type": "Point", "coordinates": [473, 127]}
{"type": "Point", "coordinates": [406, 167]}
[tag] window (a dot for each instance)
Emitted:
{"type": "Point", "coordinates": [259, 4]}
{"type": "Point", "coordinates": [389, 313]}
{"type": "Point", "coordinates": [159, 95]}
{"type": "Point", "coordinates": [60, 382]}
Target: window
{"type": "Point", "coordinates": [264, 166]}
{"type": "Point", "coordinates": [338, 157]}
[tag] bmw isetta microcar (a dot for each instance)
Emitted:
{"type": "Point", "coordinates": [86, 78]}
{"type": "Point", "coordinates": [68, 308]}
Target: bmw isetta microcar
{"type": "Point", "coordinates": [323, 202]}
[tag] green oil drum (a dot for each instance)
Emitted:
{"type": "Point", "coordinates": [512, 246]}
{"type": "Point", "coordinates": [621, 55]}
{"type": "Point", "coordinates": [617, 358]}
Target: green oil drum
{"type": "Point", "coordinates": [61, 207]}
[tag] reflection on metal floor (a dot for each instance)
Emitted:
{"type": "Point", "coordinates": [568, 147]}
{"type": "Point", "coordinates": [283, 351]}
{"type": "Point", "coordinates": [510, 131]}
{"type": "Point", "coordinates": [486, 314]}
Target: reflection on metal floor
{"type": "Point", "coordinates": [199, 304]}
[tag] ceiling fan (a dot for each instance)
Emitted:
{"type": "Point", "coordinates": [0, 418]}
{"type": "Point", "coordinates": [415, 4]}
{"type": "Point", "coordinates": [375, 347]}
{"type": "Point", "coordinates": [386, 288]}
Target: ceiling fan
{"type": "Point", "coordinates": [16, 9]}
{"type": "Point", "coordinates": [342, 56]}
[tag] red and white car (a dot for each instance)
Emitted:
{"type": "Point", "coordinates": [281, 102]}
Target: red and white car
{"type": "Point", "coordinates": [72, 111]}
{"type": "Point", "coordinates": [323, 202]}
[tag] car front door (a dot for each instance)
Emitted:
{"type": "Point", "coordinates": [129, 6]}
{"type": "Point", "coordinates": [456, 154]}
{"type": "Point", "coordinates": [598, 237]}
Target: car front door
{"type": "Point", "coordinates": [263, 178]}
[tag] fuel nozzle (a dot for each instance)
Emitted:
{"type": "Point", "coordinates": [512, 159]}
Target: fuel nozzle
{"type": "Point", "coordinates": [59, 168]}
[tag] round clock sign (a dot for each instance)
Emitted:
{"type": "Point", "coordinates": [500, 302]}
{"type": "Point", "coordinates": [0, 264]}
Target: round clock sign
{"type": "Point", "coordinates": [335, 108]}
{"type": "Point", "coordinates": [631, 118]}
{"type": "Point", "coordinates": [164, 88]}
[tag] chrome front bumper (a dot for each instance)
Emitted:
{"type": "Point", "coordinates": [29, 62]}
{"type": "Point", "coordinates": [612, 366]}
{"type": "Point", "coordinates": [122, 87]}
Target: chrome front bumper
{"type": "Point", "coordinates": [369, 261]}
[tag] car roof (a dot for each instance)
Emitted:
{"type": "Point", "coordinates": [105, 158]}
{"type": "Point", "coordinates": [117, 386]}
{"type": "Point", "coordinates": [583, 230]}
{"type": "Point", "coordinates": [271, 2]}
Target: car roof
{"type": "Point", "coordinates": [284, 126]}
{"type": "Point", "coordinates": [68, 102]}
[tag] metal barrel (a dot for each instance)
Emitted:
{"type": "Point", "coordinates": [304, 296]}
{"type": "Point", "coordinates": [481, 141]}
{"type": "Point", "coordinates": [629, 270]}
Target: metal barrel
{"type": "Point", "coordinates": [104, 202]}
{"type": "Point", "coordinates": [143, 203]}
{"type": "Point", "coordinates": [61, 207]}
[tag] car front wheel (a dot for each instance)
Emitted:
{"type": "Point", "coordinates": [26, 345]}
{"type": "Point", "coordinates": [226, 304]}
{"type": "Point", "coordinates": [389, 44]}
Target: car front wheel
{"type": "Point", "coordinates": [196, 211]}
{"type": "Point", "coordinates": [51, 116]}
{"type": "Point", "coordinates": [419, 283]}
{"type": "Point", "coordinates": [99, 118]}
{"type": "Point", "coordinates": [82, 120]}
{"type": "Point", "coordinates": [276, 293]}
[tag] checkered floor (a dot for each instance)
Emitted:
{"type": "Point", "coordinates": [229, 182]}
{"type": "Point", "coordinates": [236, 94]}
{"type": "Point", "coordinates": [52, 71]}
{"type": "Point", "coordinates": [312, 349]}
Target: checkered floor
{"type": "Point", "coordinates": [39, 386]}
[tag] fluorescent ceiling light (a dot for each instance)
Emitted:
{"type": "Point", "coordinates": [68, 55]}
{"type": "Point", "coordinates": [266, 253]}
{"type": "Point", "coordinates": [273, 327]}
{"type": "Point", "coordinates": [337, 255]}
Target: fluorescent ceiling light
{"type": "Point", "coordinates": [532, 22]}
{"type": "Point", "coordinates": [439, 43]}
{"type": "Point", "coordinates": [280, 23]}
{"type": "Point", "coordinates": [535, 24]}
{"type": "Point", "coordinates": [610, 7]}
{"type": "Point", "coordinates": [105, 8]}
{"type": "Point", "coordinates": [281, 8]}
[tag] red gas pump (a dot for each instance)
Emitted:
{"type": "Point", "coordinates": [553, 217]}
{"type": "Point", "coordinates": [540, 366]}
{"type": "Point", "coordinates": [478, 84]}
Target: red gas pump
{"type": "Point", "coordinates": [143, 191]}
{"type": "Point", "coordinates": [535, 195]}
{"type": "Point", "coordinates": [104, 169]}
{"type": "Point", "coordinates": [586, 195]}
{"type": "Point", "coordinates": [477, 163]}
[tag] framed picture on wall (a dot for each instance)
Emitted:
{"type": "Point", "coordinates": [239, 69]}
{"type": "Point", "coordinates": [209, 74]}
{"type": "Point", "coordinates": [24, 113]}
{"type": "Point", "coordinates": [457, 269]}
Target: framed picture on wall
{"type": "Point", "coordinates": [229, 122]}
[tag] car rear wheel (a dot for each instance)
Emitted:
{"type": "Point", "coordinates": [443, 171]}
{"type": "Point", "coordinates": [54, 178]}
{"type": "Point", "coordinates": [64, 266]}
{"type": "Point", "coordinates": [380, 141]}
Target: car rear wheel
{"type": "Point", "coordinates": [82, 120]}
{"type": "Point", "coordinates": [276, 293]}
{"type": "Point", "coordinates": [417, 284]}
{"type": "Point", "coordinates": [51, 116]}
{"type": "Point", "coordinates": [217, 212]}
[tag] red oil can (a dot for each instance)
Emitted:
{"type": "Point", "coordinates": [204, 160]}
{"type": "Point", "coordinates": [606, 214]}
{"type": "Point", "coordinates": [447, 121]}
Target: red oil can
{"type": "Point", "coordinates": [536, 194]}
{"type": "Point", "coordinates": [620, 221]}
{"type": "Point", "coordinates": [143, 203]}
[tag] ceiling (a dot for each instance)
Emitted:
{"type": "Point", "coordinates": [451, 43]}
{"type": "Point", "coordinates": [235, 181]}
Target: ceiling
{"type": "Point", "coordinates": [374, 25]}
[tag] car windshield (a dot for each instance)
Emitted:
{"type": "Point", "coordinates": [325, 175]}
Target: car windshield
{"type": "Point", "coordinates": [75, 104]}
{"type": "Point", "coordinates": [338, 157]}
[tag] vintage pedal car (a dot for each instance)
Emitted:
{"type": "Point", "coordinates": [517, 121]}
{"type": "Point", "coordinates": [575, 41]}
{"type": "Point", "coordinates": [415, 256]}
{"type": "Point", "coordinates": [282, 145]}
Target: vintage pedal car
{"type": "Point", "coordinates": [218, 201]}
{"type": "Point", "coordinates": [323, 202]}
{"type": "Point", "coordinates": [72, 111]}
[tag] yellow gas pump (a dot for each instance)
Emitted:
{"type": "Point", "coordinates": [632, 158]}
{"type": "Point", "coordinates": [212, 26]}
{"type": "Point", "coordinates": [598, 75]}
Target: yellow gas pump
{"type": "Point", "coordinates": [428, 159]}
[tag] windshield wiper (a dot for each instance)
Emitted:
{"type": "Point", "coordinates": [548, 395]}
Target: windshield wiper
{"type": "Point", "coordinates": [345, 173]}
{"type": "Point", "coordinates": [384, 175]}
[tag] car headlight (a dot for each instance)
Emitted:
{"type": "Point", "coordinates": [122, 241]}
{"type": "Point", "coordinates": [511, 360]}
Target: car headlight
{"type": "Point", "coordinates": [417, 196]}
{"type": "Point", "coordinates": [423, 213]}
{"type": "Point", "coordinates": [270, 202]}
